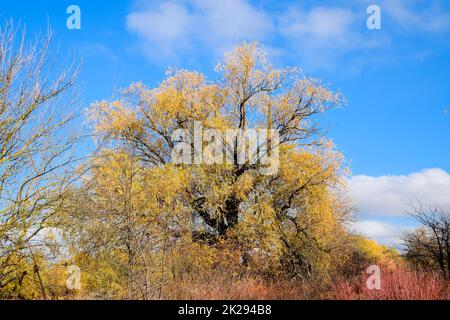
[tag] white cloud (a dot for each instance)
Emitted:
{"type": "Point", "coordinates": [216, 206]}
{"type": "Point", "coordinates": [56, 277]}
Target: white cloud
{"type": "Point", "coordinates": [394, 195]}
{"type": "Point", "coordinates": [161, 27]}
{"type": "Point", "coordinates": [324, 36]}
{"type": "Point", "coordinates": [232, 19]}
{"type": "Point", "coordinates": [168, 28]}
{"type": "Point", "coordinates": [374, 229]}
{"type": "Point", "coordinates": [171, 28]}
{"type": "Point", "coordinates": [327, 26]}
{"type": "Point", "coordinates": [382, 232]}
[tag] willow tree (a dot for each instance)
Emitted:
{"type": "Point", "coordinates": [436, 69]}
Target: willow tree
{"type": "Point", "coordinates": [290, 219]}
{"type": "Point", "coordinates": [33, 155]}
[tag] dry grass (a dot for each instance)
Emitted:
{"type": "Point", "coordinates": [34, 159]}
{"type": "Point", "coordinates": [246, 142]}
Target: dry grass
{"type": "Point", "coordinates": [242, 289]}
{"type": "Point", "coordinates": [396, 284]}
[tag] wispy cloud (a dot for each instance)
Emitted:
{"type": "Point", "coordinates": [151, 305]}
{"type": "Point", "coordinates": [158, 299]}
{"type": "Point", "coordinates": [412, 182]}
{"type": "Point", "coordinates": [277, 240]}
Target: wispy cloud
{"type": "Point", "coordinates": [323, 36]}
{"type": "Point", "coordinates": [170, 28]}
{"type": "Point", "coordinates": [322, 25]}
{"type": "Point", "coordinates": [319, 36]}
{"type": "Point", "coordinates": [426, 16]}
{"type": "Point", "coordinates": [98, 49]}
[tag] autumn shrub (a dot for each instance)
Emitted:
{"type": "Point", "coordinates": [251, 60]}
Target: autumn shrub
{"type": "Point", "coordinates": [398, 283]}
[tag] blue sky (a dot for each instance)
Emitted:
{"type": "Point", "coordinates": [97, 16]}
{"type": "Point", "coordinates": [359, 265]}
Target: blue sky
{"type": "Point", "coordinates": [393, 131]}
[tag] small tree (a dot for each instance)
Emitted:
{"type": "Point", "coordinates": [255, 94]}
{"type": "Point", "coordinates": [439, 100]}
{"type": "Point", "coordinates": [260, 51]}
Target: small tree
{"type": "Point", "coordinates": [33, 154]}
{"type": "Point", "coordinates": [429, 245]}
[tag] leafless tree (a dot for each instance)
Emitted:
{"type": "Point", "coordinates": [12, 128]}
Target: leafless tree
{"type": "Point", "coordinates": [429, 245]}
{"type": "Point", "coordinates": [35, 99]}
